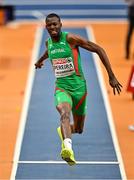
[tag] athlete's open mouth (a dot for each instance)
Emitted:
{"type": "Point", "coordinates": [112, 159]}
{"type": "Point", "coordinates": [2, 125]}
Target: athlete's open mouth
{"type": "Point", "coordinates": [53, 33]}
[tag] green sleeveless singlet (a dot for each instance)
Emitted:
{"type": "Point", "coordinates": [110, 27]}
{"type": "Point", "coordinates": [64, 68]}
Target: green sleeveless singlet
{"type": "Point", "coordinates": [70, 81]}
{"type": "Point", "coordinates": [66, 63]}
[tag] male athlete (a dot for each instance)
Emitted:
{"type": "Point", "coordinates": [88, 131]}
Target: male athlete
{"type": "Point", "coordinates": [70, 91]}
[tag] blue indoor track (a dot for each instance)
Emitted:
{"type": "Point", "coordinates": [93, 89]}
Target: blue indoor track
{"type": "Point", "coordinates": [40, 148]}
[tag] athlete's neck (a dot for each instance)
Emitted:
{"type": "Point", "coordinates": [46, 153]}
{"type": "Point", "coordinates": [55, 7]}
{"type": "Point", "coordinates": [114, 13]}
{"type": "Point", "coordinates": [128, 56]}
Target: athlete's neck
{"type": "Point", "coordinates": [56, 38]}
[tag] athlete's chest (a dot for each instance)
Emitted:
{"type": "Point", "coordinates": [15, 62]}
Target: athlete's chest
{"type": "Point", "coordinates": [59, 50]}
{"type": "Point", "coordinates": [61, 58]}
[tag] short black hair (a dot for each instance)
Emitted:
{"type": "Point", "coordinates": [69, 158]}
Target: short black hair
{"type": "Point", "coordinates": [52, 15]}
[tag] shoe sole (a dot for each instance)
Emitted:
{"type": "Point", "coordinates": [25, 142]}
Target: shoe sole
{"type": "Point", "coordinates": [66, 156]}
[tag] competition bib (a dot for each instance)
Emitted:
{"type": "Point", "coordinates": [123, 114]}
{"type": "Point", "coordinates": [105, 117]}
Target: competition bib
{"type": "Point", "coordinates": [63, 67]}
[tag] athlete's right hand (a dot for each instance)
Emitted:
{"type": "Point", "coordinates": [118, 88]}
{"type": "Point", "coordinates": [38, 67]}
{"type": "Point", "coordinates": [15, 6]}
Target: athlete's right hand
{"type": "Point", "coordinates": [38, 65]}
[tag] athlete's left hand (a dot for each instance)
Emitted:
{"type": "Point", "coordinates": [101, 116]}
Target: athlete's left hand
{"type": "Point", "coordinates": [38, 64]}
{"type": "Point", "coordinates": [115, 85]}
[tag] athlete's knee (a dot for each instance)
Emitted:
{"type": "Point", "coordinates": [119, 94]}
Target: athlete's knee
{"type": "Point", "coordinates": [65, 116]}
{"type": "Point", "coordinates": [78, 130]}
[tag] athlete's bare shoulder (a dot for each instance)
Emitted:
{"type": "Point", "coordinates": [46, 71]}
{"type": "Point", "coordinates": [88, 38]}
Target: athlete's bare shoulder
{"type": "Point", "coordinates": [73, 38]}
{"type": "Point", "coordinates": [77, 40]}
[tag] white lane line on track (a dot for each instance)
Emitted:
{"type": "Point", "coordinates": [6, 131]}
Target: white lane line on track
{"type": "Point", "coordinates": [28, 90]}
{"type": "Point", "coordinates": [77, 162]}
{"type": "Point", "coordinates": [107, 106]}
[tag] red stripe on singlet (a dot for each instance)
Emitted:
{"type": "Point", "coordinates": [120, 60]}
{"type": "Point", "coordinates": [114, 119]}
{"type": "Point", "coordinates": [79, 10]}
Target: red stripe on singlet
{"type": "Point", "coordinates": [59, 89]}
{"type": "Point", "coordinates": [75, 55]}
{"type": "Point", "coordinates": [81, 101]}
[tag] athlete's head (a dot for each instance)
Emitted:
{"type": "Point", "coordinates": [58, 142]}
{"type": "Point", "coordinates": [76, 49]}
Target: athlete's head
{"type": "Point", "coordinates": [52, 15]}
{"type": "Point", "coordinates": [53, 25]}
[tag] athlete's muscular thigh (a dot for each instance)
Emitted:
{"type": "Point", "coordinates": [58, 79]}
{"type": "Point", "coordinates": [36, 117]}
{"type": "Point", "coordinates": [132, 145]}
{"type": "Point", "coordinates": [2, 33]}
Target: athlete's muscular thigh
{"type": "Point", "coordinates": [78, 123]}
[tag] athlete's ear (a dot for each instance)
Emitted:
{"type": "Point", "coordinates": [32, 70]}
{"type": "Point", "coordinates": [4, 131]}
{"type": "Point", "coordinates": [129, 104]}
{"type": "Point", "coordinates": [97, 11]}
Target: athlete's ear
{"type": "Point", "coordinates": [60, 24]}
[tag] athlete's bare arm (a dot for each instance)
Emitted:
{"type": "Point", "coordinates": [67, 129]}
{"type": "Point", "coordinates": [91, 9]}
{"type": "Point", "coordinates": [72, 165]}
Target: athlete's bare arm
{"type": "Point", "coordinates": [76, 40]}
{"type": "Point", "coordinates": [41, 60]}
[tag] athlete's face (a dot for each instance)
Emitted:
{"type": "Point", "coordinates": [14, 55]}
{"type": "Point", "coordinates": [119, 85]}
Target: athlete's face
{"type": "Point", "coordinates": [53, 26]}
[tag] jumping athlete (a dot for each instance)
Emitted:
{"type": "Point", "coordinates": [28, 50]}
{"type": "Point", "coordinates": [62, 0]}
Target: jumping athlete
{"type": "Point", "coordinates": [62, 48]}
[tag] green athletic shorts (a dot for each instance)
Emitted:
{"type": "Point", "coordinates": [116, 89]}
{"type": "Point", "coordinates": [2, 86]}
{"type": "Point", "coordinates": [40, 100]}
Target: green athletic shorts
{"type": "Point", "coordinates": [77, 99]}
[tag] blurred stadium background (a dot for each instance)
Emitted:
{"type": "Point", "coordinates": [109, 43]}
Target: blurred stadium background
{"type": "Point", "coordinates": [71, 9]}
